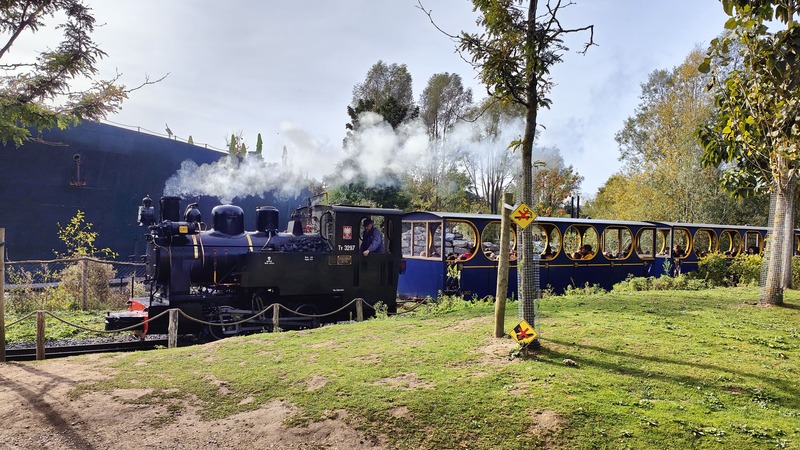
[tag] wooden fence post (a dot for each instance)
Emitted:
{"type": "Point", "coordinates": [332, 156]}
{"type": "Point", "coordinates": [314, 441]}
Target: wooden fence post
{"type": "Point", "coordinates": [2, 291]}
{"type": "Point", "coordinates": [84, 283]}
{"type": "Point", "coordinates": [360, 309]}
{"type": "Point", "coordinates": [172, 330]}
{"type": "Point", "coordinates": [39, 335]}
{"type": "Point", "coordinates": [503, 266]}
{"type": "Point", "coordinates": [276, 313]}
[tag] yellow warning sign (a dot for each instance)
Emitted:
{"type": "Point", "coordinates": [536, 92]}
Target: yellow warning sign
{"type": "Point", "coordinates": [523, 215]}
{"type": "Point", "coordinates": [523, 333]}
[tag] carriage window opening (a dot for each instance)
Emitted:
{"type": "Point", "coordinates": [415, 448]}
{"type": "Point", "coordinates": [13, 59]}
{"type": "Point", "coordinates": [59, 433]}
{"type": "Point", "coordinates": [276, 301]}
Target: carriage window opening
{"type": "Point", "coordinates": [663, 238]}
{"type": "Point", "coordinates": [553, 240]}
{"type": "Point", "coordinates": [682, 243]}
{"type": "Point", "coordinates": [546, 240]}
{"type": "Point", "coordinates": [460, 240]}
{"type": "Point", "coordinates": [434, 239]}
{"type": "Point", "coordinates": [406, 238]}
{"type": "Point", "coordinates": [645, 243]}
{"type": "Point", "coordinates": [617, 242]}
{"type": "Point", "coordinates": [752, 239]}
{"type": "Point", "coordinates": [730, 243]}
{"type": "Point", "coordinates": [705, 242]}
{"type": "Point", "coordinates": [580, 241]}
{"type": "Point", "coordinates": [415, 239]}
{"type": "Point", "coordinates": [490, 242]}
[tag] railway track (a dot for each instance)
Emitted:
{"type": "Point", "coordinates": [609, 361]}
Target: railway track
{"type": "Point", "coordinates": [29, 353]}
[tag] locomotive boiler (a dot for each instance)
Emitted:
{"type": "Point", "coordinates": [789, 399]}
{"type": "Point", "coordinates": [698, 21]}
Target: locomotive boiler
{"type": "Point", "coordinates": [220, 274]}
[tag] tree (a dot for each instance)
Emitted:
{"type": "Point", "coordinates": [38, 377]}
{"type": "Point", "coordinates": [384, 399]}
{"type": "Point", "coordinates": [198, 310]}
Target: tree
{"type": "Point", "coordinates": [442, 103]}
{"type": "Point", "coordinates": [663, 173]}
{"type": "Point", "coordinates": [259, 145]}
{"type": "Point", "coordinates": [39, 94]}
{"type": "Point", "coordinates": [233, 149]}
{"type": "Point", "coordinates": [388, 91]}
{"type": "Point", "coordinates": [79, 238]}
{"type": "Point", "coordinates": [513, 53]}
{"type": "Point", "coordinates": [554, 183]}
{"type": "Point", "coordinates": [756, 129]}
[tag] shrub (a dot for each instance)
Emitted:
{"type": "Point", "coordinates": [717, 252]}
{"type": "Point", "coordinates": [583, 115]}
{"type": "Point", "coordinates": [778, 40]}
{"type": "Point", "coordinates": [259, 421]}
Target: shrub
{"type": "Point", "coordinates": [684, 282]}
{"type": "Point", "coordinates": [98, 291]}
{"type": "Point", "coordinates": [796, 272]}
{"type": "Point", "coordinates": [587, 289]}
{"type": "Point", "coordinates": [634, 284]}
{"type": "Point", "coordinates": [746, 269]}
{"type": "Point", "coordinates": [714, 268]}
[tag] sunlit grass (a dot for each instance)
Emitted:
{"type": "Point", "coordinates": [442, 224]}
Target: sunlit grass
{"type": "Point", "coordinates": [698, 369]}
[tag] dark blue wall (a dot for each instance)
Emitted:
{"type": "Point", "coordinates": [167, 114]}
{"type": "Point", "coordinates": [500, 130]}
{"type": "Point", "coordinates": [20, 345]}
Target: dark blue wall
{"type": "Point", "coordinates": [118, 166]}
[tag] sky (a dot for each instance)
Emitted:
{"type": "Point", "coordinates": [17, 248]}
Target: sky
{"type": "Point", "coordinates": [287, 69]}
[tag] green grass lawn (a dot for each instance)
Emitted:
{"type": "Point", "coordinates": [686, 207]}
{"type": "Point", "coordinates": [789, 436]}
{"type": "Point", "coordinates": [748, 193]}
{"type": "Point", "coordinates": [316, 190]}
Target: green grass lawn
{"type": "Point", "coordinates": [674, 369]}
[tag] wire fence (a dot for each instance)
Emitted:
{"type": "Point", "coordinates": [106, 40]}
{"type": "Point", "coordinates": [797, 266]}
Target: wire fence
{"type": "Point", "coordinates": [77, 283]}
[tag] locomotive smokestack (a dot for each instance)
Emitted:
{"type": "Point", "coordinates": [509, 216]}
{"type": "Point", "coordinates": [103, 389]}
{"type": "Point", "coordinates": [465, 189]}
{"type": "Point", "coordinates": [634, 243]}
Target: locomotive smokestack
{"type": "Point", "coordinates": [171, 209]}
{"type": "Point", "coordinates": [267, 220]}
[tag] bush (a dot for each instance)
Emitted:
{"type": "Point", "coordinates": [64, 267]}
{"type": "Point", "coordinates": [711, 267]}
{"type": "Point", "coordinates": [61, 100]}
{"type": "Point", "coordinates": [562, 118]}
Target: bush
{"type": "Point", "coordinates": [746, 269]}
{"type": "Point", "coordinates": [796, 272]}
{"type": "Point", "coordinates": [715, 269]}
{"type": "Point", "coordinates": [683, 282]}
{"type": "Point", "coordinates": [98, 292]}
{"type": "Point", "coordinates": [585, 290]}
{"type": "Point", "coordinates": [634, 284]}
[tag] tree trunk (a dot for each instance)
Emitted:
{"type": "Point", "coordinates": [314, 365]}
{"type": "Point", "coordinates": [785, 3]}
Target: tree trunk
{"type": "Point", "coordinates": [527, 290]}
{"type": "Point", "coordinates": [774, 284]}
{"type": "Point", "coordinates": [788, 230]}
{"type": "Point", "coordinates": [502, 268]}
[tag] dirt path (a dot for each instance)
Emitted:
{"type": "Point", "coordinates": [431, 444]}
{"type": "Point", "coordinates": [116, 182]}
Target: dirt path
{"type": "Point", "coordinates": [36, 412]}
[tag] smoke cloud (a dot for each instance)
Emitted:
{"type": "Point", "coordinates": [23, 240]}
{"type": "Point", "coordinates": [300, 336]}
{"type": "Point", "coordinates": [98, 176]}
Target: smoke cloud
{"type": "Point", "coordinates": [369, 154]}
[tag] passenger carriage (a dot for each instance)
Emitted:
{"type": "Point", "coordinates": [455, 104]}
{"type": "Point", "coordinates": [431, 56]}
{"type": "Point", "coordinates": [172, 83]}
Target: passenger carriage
{"type": "Point", "coordinates": [437, 249]}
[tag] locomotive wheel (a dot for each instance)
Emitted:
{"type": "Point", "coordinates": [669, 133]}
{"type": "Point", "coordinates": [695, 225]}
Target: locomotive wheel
{"type": "Point", "coordinates": [306, 308]}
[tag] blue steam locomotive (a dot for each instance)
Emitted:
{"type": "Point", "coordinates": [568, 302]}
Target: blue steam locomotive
{"type": "Point", "coordinates": [224, 274]}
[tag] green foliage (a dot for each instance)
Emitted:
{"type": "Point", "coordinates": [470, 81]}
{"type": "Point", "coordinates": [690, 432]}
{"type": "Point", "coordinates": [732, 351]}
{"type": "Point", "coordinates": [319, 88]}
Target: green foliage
{"type": "Point", "coordinates": [79, 239]}
{"type": "Point", "coordinates": [587, 289]}
{"type": "Point", "coordinates": [715, 269]}
{"type": "Point", "coordinates": [719, 270]}
{"type": "Point", "coordinates": [98, 292]}
{"type": "Point", "coordinates": [259, 145]}
{"type": "Point", "coordinates": [388, 91]}
{"type": "Point", "coordinates": [746, 269]}
{"type": "Point", "coordinates": [683, 282]}
{"type": "Point", "coordinates": [37, 94]}
{"type": "Point", "coordinates": [796, 272]}
{"type": "Point", "coordinates": [24, 332]}
{"type": "Point", "coordinates": [357, 193]}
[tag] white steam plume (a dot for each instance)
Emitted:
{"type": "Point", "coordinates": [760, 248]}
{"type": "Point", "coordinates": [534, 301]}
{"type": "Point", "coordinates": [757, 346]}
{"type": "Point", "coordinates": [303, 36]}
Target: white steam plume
{"type": "Point", "coordinates": [373, 150]}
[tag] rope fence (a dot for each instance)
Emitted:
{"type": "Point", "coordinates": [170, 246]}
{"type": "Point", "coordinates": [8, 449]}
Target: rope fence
{"type": "Point", "coordinates": [175, 313]}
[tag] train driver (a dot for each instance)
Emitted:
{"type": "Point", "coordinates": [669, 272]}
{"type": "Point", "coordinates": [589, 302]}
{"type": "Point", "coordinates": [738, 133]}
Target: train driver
{"type": "Point", "coordinates": [372, 241]}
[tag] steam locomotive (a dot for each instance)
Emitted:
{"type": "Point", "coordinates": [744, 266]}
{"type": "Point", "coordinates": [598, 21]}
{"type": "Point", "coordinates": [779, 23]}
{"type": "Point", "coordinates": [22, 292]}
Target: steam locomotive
{"type": "Point", "coordinates": [219, 277]}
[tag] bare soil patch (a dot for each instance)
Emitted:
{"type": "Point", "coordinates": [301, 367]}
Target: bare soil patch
{"type": "Point", "coordinates": [37, 413]}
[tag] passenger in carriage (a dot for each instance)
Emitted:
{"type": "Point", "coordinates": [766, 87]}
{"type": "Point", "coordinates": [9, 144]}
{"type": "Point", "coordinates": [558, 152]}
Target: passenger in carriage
{"type": "Point", "coordinates": [752, 250]}
{"type": "Point", "coordinates": [585, 252]}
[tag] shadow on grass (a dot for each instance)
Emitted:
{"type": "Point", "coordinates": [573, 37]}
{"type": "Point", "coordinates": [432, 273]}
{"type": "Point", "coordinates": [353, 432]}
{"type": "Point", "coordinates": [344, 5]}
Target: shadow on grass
{"type": "Point", "coordinates": [790, 390]}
